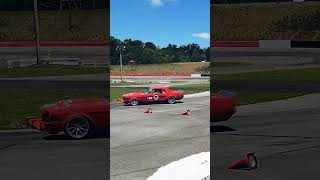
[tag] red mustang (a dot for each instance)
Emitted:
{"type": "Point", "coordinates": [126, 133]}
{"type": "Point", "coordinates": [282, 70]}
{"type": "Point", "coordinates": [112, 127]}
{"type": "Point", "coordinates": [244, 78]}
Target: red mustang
{"type": "Point", "coordinates": [153, 95]}
{"type": "Point", "coordinates": [78, 118]}
{"type": "Point", "coordinates": [222, 107]}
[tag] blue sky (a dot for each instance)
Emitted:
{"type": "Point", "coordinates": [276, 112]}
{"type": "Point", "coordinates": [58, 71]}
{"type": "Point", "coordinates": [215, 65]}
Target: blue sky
{"type": "Point", "coordinates": [162, 21]}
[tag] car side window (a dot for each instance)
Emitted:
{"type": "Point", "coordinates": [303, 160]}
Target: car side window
{"type": "Point", "coordinates": [159, 91]}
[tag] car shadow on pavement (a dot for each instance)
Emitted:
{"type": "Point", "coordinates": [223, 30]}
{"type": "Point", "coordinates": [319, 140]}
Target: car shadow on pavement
{"type": "Point", "coordinates": [221, 128]}
{"type": "Point", "coordinates": [56, 137]}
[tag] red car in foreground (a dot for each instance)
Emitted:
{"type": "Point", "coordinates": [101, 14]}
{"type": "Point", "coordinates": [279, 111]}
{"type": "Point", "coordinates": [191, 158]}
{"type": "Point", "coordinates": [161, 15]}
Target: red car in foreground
{"type": "Point", "coordinates": [78, 118]}
{"type": "Point", "coordinates": [222, 107]}
{"type": "Point", "coordinates": [153, 95]}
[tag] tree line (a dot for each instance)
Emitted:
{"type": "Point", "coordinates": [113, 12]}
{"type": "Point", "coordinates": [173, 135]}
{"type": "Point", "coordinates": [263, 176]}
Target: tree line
{"type": "Point", "coordinates": [148, 53]}
{"type": "Point", "coordinates": [17, 5]}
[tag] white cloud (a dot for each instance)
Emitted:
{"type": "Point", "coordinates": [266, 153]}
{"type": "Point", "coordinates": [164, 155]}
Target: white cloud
{"type": "Point", "coordinates": [156, 3]}
{"type": "Point", "coordinates": [202, 35]}
{"type": "Point", "coordinates": [159, 3]}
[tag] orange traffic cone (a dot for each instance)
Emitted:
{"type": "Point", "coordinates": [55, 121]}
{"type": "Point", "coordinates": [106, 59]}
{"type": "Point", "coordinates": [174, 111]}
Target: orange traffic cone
{"type": "Point", "coordinates": [248, 163]}
{"type": "Point", "coordinates": [148, 110]}
{"type": "Point", "coordinates": [187, 112]}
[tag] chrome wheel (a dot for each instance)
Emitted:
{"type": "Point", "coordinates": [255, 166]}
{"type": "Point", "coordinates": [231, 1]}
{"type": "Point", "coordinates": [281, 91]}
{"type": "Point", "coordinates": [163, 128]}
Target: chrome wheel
{"type": "Point", "coordinates": [134, 102]}
{"type": "Point", "coordinates": [171, 100]}
{"type": "Point", "coordinates": [78, 128]}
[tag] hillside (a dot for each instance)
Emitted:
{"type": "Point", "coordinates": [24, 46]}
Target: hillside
{"type": "Point", "coordinates": [55, 25]}
{"type": "Point", "coordinates": [255, 21]}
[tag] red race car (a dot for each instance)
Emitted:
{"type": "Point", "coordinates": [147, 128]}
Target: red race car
{"type": "Point", "coordinates": [78, 118]}
{"type": "Point", "coordinates": [153, 95]}
{"type": "Point", "coordinates": [222, 107]}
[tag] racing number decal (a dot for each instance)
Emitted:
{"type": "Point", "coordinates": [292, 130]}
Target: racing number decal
{"type": "Point", "coordinates": [155, 97]}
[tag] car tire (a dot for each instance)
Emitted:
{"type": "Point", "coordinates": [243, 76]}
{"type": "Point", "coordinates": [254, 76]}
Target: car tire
{"type": "Point", "coordinates": [171, 100]}
{"type": "Point", "coordinates": [78, 128]}
{"type": "Point", "coordinates": [134, 102]}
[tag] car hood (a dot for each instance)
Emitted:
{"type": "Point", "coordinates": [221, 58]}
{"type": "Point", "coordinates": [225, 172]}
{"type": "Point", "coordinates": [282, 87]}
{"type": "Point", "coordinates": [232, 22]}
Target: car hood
{"type": "Point", "coordinates": [134, 94]}
{"type": "Point", "coordinates": [74, 103]}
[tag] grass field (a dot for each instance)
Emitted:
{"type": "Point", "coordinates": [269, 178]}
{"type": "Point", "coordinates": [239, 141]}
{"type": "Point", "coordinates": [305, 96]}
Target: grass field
{"type": "Point", "coordinates": [55, 25]}
{"type": "Point", "coordinates": [252, 97]}
{"type": "Point", "coordinates": [16, 104]}
{"type": "Point", "coordinates": [60, 70]}
{"type": "Point", "coordinates": [172, 68]}
{"type": "Point", "coordinates": [274, 78]}
{"type": "Point", "coordinates": [125, 83]}
{"type": "Point", "coordinates": [48, 70]}
{"type": "Point", "coordinates": [195, 85]}
{"type": "Point", "coordinates": [308, 74]}
{"type": "Point", "coordinates": [255, 21]}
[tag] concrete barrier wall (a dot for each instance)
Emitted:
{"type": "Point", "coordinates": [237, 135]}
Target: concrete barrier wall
{"type": "Point", "coordinates": [305, 44]}
{"type": "Point", "coordinates": [277, 44]}
{"type": "Point", "coordinates": [196, 75]}
{"type": "Point", "coordinates": [267, 44]}
{"type": "Point", "coordinates": [234, 44]}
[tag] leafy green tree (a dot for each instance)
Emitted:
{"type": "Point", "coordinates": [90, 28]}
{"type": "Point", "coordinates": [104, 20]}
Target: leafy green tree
{"type": "Point", "coordinates": [149, 53]}
{"type": "Point", "coordinates": [150, 45]}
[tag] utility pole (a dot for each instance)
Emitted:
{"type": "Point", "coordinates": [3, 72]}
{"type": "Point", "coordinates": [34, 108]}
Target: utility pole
{"type": "Point", "coordinates": [35, 7]}
{"type": "Point", "coordinates": [121, 48]}
{"type": "Point", "coordinates": [121, 65]}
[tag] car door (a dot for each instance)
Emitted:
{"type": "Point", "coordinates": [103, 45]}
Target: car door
{"type": "Point", "coordinates": [156, 96]}
{"type": "Point", "coordinates": [150, 96]}
{"type": "Point", "coordinates": [162, 96]}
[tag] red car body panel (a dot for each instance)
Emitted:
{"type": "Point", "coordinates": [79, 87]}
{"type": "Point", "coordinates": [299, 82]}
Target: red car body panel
{"type": "Point", "coordinates": [152, 97]}
{"type": "Point", "coordinates": [222, 108]}
{"type": "Point", "coordinates": [56, 115]}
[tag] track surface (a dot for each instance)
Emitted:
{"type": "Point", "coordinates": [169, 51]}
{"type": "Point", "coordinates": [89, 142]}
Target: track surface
{"type": "Point", "coordinates": [38, 156]}
{"type": "Point", "coordinates": [141, 143]}
{"type": "Point", "coordinates": [284, 135]}
{"type": "Point", "coordinates": [264, 59]}
{"type": "Point", "coordinates": [83, 53]}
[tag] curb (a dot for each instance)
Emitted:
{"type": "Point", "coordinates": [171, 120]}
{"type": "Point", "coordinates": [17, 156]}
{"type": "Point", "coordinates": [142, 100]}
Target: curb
{"type": "Point", "coordinates": [201, 94]}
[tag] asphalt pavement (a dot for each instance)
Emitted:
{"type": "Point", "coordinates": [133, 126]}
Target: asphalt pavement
{"type": "Point", "coordinates": [284, 135]}
{"type": "Point", "coordinates": [264, 59]}
{"type": "Point", "coordinates": [38, 156]}
{"type": "Point", "coordinates": [141, 143]}
{"type": "Point", "coordinates": [85, 53]}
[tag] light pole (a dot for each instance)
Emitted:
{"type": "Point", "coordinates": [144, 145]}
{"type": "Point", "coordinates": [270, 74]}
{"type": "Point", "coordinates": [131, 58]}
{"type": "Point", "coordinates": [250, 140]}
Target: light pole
{"type": "Point", "coordinates": [121, 48]}
{"type": "Point", "coordinates": [35, 8]}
